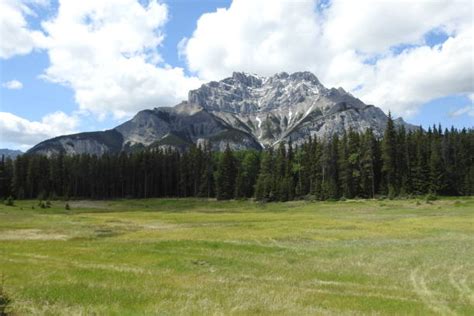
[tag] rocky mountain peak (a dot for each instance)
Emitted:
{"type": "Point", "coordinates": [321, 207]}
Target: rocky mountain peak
{"type": "Point", "coordinates": [244, 110]}
{"type": "Point", "coordinates": [249, 93]}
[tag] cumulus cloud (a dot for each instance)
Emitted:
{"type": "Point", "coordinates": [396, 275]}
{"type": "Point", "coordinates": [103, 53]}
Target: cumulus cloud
{"type": "Point", "coordinates": [12, 85]}
{"type": "Point", "coordinates": [353, 44]}
{"type": "Point", "coordinates": [24, 133]}
{"type": "Point", "coordinates": [107, 52]}
{"type": "Point", "coordinates": [17, 37]}
{"type": "Point", "coordinates": [469, 110]}
{"type": "Point", "coordinates": [421, 74]}
{"type": "Point", "coordinates": [373, 26]}
{"type": "Point", "coordinates": [255, 36]}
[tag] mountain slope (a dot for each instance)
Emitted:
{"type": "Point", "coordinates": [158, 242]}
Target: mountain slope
{"type": "Point", "coordinates": [10, 153]}
{"type": "Point", "coordinates": [245, 110]}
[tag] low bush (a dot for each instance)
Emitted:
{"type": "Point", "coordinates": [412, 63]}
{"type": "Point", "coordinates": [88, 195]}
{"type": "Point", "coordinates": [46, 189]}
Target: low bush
{"type": "Point", "coordinates": [10, 201]}
{"type": "Point", "coordinates": [5, 301]}
{"type": "Point", "coordinates": [430, 197]}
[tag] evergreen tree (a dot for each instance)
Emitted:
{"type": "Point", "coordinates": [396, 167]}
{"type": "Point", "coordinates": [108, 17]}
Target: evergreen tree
{"type": "Point", "coordinates": [264, 188]}
{"type": "Point", "coordinates": [389, 154]}
{"type": "Point", "coordinates": [368, 163]}
{"type": "Point", "coordinates": [207, 183]}
{"type": "Point", "coordinates": [345, 168]}
{"type": "Point", "coordinates": [225, 177]}
{"type": "Point", "coordinates": [436, 167]}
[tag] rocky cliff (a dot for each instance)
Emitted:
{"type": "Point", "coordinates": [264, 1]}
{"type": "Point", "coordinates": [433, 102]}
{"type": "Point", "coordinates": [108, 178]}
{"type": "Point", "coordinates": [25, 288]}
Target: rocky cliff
{"type": "Point", "coordinates": [244, 111]}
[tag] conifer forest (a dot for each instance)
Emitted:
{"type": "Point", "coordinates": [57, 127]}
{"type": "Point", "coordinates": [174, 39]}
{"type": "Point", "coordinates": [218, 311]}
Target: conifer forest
{"type": "Point", "coordinates": [353, 165]}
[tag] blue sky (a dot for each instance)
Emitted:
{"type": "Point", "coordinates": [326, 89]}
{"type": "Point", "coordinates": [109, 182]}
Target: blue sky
{"type": "Point", "coordinates": [38, 97]}
{"type": "Point", "coordinates": [379, 67]}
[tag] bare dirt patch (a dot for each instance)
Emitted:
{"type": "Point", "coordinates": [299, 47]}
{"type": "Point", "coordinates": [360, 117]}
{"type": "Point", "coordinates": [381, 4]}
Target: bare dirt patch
{"type": "Point", "coordinates": [89, 204]}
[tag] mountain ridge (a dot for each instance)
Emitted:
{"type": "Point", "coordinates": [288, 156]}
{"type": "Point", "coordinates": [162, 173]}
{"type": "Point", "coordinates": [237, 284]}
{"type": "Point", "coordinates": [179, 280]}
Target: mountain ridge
{"type": "Point", "coordinates": [10, 153]}
{"type": "Point", "coordinates": [244, 111]}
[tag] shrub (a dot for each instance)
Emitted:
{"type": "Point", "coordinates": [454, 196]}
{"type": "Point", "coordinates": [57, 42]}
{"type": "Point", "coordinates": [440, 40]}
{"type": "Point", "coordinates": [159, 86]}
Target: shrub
{"type": "Point", "coordinates": [10, 201]}
{"type": "Point", "coordinates": [4, 299]}
{"type": "Point", "coordinates": [48, 203]}
{"type": "Point", "coordinates": [67, 207]}
{"type": "Point", "coordinates": [430, 197]}
{"type": "Point", "coordinates": [42, 204]}
{"type": "Point", "coordinates": [42, 196]}
{"type": "Point", "coordinates": [392, 194]}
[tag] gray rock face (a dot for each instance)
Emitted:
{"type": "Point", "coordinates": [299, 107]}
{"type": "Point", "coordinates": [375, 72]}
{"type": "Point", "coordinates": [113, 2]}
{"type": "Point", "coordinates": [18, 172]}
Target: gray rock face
{"type": "Point", "coordinates": [244, 111]}
{"type": "Point", "coordinates": [284, 107]}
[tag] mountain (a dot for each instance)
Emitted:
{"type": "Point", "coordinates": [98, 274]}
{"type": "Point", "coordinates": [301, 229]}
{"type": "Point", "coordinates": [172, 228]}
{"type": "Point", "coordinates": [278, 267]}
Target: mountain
{"type": "Point", "coordinates": [10, 152]}
{"type": "Point", "coordinates": [244, 111]}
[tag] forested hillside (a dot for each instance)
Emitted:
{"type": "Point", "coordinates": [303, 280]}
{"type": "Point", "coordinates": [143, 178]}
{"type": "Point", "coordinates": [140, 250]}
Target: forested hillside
{"type": "Point", "coordinates": [354, 165]}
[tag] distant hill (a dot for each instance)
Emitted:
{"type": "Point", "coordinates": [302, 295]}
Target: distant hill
{"type": "Point", "coordinates": [244, 111]}
{"type": "Point", "coordinates": [10, 152]}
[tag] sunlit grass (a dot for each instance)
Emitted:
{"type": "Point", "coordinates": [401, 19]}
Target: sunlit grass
{"type": "Point", "coordinates": [205, 257]}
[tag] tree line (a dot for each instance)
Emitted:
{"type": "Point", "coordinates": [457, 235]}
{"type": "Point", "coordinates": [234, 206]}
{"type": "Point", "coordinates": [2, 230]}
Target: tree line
{"type": "Point", "coordinates": [353, 165]}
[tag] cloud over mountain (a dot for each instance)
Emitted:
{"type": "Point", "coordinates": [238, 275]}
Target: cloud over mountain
{"type": "Point", "coordinates": [376, 49]}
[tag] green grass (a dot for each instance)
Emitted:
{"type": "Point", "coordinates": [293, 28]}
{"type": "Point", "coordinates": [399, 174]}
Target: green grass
{"type": "Point", "coordinates": [205, 257]}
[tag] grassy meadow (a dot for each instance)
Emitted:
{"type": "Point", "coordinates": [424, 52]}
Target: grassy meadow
{"type": "Point", "coordinates": [200, 257]}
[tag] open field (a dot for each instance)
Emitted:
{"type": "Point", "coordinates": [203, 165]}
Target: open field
{"type": "Point", "coordinates": [239, 257]}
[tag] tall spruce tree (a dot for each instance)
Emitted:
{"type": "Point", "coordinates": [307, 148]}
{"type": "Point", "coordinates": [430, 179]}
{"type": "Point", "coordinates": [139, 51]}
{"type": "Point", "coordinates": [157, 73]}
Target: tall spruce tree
{"type": "Point", "coordinates": [264, 188]}
{"type": "Point", "coordinates": [368, 163]}
{"type": "Point", "coordinates": [226, 174]}
{"type": "Point", "coordinates": [389, 156]}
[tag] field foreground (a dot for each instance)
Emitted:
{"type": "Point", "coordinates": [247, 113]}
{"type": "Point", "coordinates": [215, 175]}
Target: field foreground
{"type": "Point", "coordinates": [206, 257]}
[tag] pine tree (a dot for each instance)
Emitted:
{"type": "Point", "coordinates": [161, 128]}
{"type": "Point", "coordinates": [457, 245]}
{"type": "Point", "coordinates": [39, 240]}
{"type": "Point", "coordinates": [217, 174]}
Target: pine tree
{"type": "Point", "coordinates": [225, 177]}
{"type": "Point", "coordinates": [345, 167]}
{"type": "Point", "coordinates": [420, 173]}
{"type": "Point", "coordinates": [368, 163]}
{"type": "Point", "coordinates": [264, 188]}
{"type": "Point", "coordinates": [353, 148]}
{"type": "Point", "coordinates": [207, 184]}
{"type": "Point", "coordinates": [389, 154]}
{"type": "Point", "coordinates": [436, 167]}
{"type": "Point", "coordinates": [247, 175]}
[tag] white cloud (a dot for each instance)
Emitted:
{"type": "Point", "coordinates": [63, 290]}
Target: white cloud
{"type": "Point", "coordinates": [12, 85]}
{"type": "Point", "coordinates": [23, 133]}
{"type": "Point", "coordinates": [16, 37]}
{"type": "Point", "coordinates": [373, 26]}
{"type": "Point", "coordinates": [335, 43]}
{"type": "Point", "coordinates": [264, 37]}
{"type": "Point", "coordinates": [106, 51]}
{"type": "Point", "coordinates": [403, 82]}
{"type": "Point", "coordinates": [469, 110]}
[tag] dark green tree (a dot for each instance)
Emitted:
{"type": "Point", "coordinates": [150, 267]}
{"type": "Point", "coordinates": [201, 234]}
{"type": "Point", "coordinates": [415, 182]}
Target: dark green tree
{"type": "Point", "coordinates": [389, 156]}
{"type": "Point", "coordinates": [225, 175]}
